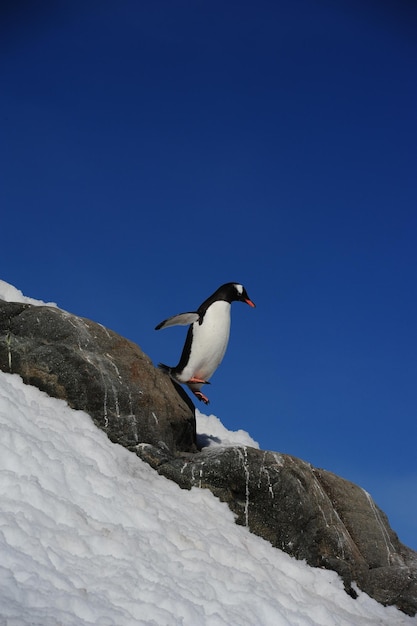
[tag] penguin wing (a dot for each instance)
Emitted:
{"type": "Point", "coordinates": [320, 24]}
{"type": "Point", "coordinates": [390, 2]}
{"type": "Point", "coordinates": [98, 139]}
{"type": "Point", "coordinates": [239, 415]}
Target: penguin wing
{"type": "Point", "coordinates": [183, 319]}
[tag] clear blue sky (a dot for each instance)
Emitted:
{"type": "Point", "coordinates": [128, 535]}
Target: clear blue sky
{"type": "Point", "coordinates": [153, 150]}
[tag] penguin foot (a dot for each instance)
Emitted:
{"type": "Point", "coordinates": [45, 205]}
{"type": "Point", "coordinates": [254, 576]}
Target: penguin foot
{"type": "Point", "coordinates": [201, 397]}
{"type": "Point", "coordinates": [198, 380]}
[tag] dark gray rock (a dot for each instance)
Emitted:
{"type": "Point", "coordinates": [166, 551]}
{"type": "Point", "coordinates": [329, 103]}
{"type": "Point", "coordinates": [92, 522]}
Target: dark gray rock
{"type": "Point", "coordinates": [309, 513]}
{"type": "Point", "coordinates": [97, 371]}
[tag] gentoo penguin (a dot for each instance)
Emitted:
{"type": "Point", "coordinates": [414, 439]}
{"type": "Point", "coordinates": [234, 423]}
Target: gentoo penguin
{"type": "Point", "coordinates": [207, 337]}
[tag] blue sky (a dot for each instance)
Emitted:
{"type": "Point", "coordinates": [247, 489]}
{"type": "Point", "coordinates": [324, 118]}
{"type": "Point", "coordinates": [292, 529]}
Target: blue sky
{"type": "Point", "coordinates": [153, 151]}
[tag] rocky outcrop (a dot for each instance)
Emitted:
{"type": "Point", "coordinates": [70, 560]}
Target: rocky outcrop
{"type": "Point", "coordinates": [97, 371]}
{"type": "Point", "coordinates": [309, 513]}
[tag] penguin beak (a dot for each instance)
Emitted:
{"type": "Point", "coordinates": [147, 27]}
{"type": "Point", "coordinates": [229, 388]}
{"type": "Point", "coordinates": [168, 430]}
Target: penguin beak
{"type": "Point", "coordinates": [252, 304]}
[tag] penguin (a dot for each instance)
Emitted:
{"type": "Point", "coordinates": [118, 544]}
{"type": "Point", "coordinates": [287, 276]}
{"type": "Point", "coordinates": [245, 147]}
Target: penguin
{"type": "Point", "coordinates": [207, 338]}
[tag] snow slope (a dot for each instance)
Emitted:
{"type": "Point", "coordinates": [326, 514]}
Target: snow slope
{"type": "Point", "coordinates": [89, 534]}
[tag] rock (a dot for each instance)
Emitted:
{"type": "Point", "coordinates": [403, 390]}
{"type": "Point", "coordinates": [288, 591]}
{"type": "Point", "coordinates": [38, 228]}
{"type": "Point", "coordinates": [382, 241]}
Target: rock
{"type": "Point", "coordinates": [307, 512]}
{"type": "Point", "coordinates": [97, 371]}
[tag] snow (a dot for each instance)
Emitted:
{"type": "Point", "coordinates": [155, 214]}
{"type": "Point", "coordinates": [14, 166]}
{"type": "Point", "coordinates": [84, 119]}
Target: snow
{"type": "Point", "coordinates": [212, 433]}
{"type": "Point", "coordinates": [90, 534]}
{"type": "Point", "coordinates": [11, 294]}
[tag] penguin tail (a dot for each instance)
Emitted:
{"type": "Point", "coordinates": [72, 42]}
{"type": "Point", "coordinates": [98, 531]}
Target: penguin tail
{"type": "Point", "coordinates": [165, 368]}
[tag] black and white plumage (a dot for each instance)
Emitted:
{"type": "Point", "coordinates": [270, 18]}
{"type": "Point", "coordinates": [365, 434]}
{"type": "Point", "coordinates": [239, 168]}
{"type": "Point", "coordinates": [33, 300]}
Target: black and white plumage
{"type": "Point", "coordinates": [207, 337]}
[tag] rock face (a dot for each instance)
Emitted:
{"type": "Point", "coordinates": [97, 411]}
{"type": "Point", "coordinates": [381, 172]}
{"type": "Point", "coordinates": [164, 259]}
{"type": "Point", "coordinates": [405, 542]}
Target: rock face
{"type": "Point", "coordinates": [97, 371]}
{"type": "Point", "coordinates": [309, 513]}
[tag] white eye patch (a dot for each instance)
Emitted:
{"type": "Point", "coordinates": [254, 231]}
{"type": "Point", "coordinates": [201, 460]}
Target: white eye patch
{"type": "Point", "coordinates": [239, 289]}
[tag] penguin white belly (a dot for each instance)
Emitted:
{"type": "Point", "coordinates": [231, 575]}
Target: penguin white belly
{"type": "Point", "coordinates": [209, 342]}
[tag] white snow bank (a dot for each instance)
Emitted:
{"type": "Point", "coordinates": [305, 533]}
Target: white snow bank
{"type": "Point", "coordinates": [11, 294]}
{"type": "Point", "coordinates": [211, 432]}
{"type": "Point", "coordinates": [89, 534]}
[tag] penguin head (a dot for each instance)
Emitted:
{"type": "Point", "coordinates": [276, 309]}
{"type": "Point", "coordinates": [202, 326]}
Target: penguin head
{"type": "Point", "coordinates": [232, 292]}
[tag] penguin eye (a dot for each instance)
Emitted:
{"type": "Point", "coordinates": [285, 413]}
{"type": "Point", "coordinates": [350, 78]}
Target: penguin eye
{"type": "Point", "coordinates": [239, 289]}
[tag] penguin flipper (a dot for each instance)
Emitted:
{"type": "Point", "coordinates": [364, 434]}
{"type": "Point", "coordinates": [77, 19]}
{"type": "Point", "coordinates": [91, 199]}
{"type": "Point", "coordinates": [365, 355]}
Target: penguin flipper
{"type": "Point", "coordinates": [183, 319]}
